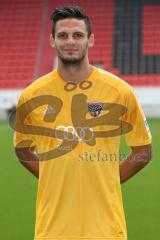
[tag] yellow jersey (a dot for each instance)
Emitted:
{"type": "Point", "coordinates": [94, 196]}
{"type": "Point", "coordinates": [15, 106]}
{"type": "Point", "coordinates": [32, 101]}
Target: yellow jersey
{"type": "Point", "coordinates": [76, 130]}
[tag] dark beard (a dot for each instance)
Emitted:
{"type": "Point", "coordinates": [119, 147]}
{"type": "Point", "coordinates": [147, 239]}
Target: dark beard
{"type": "Point", "coordinates": [71, 62]}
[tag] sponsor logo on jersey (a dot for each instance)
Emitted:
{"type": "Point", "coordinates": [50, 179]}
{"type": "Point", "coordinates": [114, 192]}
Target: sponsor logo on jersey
{"type": "Point", "coordinates": [71, 133]}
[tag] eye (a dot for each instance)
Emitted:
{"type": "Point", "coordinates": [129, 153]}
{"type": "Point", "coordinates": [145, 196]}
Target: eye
{"type": "Point", "coordinates": [78, 35]}
{"type": "Point", "coordinates": [62, 35]}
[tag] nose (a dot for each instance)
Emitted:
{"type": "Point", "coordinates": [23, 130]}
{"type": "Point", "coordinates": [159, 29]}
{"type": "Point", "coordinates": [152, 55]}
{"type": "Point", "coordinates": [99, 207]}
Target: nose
{"type": "Point", "coordinates": [70, 40]}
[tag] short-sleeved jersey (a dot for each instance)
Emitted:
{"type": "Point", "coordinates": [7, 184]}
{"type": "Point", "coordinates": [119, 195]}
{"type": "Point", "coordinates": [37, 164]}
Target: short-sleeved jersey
{"type": "Point", "coordinates": [76, 131]}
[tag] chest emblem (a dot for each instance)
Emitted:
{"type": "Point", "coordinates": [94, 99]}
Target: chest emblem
{"type": "Point", "coordinates": [95, 108]}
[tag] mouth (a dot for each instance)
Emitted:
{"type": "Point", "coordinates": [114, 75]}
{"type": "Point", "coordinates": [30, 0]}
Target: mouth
{"type": "Point", "coordinates": [70, 50]}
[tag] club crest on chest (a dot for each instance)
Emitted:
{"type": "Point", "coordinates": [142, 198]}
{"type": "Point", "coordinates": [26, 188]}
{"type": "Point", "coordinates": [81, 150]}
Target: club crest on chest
{"type": "Point", "coordinates": [95, 108]}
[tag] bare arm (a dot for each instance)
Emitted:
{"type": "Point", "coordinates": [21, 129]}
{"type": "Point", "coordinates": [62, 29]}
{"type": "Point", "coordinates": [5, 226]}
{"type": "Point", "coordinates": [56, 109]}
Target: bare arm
{"type": "Point", "coordinates": [134, 162]}
{"type": "Point", "coordinates": [28, 159]}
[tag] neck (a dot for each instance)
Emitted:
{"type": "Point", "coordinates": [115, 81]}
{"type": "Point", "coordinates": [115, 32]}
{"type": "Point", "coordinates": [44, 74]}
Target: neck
{"type": "Point", "coordinates": [74, 73]}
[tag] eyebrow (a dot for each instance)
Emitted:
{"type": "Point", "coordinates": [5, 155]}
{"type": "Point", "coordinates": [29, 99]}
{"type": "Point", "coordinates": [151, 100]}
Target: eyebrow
{"type": "Point", "coordinates": [79, 32]}
{"type": "Point", "coordinates": [73, 32]}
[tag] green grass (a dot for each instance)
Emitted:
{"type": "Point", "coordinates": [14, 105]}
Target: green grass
{"type": "Point", "coordinates": [18, 192]}
{"type": "Point", "coordinates": [18, 187]}
{"type": "Point", "coordinates": [141, 195]}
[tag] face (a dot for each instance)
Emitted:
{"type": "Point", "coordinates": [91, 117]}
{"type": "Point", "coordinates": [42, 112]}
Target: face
{"type": "Point", "coordinates": [71, 40]}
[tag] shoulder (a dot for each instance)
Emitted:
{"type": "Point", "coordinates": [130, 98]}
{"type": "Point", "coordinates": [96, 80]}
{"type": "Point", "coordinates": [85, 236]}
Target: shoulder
{"type": "Point", "coordinates": [113, 81]}
{"type": "Point", "coordinates": [39, 86]}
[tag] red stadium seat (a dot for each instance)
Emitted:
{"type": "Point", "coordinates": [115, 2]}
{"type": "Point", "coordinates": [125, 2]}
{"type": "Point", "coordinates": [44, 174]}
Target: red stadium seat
{"type": "Point", "coordinates": [25, 53]}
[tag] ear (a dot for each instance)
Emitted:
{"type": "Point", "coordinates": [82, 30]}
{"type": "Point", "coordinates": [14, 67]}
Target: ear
{"type": "Point", "coordinates": [91, 40]}
{"type": "Point", "coordinates": [52, 42]}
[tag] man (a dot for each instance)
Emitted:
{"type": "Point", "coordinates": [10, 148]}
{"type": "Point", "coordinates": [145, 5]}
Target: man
{"type": "Point", "coordinates": [68, 127]}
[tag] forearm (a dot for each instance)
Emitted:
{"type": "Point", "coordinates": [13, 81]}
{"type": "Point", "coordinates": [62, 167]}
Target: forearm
{"type": "Point", "coordinates": [29, 160]}
{"type": "Point", "coordinates": [132, 164]}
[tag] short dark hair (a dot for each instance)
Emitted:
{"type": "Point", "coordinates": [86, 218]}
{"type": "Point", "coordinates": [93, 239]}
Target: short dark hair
{"type": "Point", "coordinates": [70, 12]}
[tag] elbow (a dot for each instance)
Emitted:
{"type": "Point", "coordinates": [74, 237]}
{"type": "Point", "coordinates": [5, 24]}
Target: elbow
{"type": "Point", "coordinates": [21, 154]}
{"type": "Point", "coordinates": [147, 159]}
{"type": "Point", "coordinates": [149, 154]}
{"type": "Point", "coordinates": [144, 156]}
{"type": "Point", "coordinates": [17, 153]}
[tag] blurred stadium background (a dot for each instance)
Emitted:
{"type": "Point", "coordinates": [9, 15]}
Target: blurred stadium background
{"type": "Point", "coordinates": [127, 44]}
